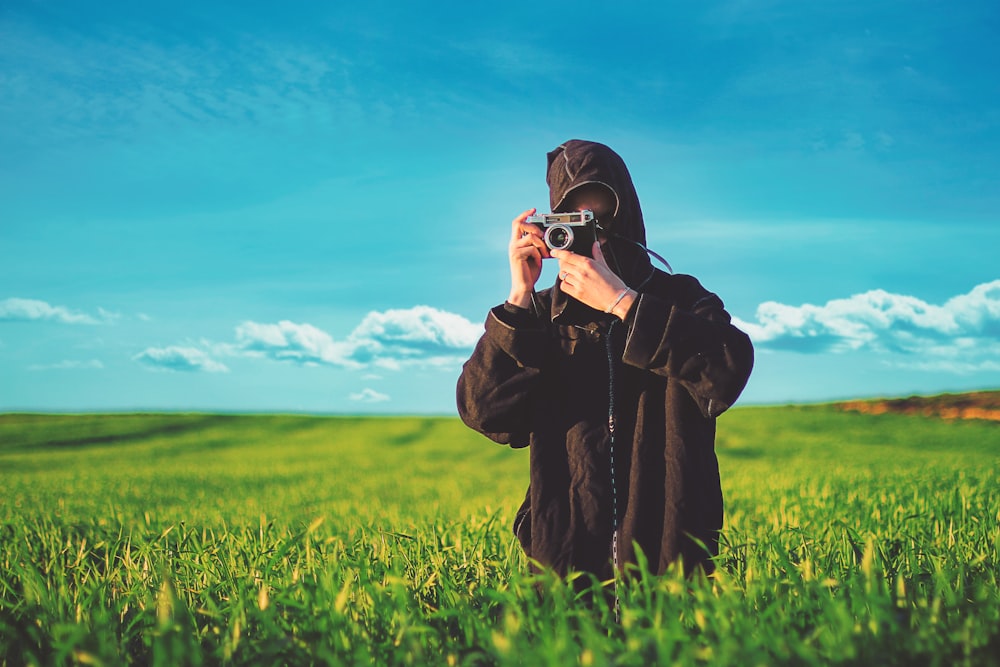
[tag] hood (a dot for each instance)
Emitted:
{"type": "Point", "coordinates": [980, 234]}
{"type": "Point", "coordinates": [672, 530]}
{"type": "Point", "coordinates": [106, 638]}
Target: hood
{"type": "Point", "coordinates": [578, 162]}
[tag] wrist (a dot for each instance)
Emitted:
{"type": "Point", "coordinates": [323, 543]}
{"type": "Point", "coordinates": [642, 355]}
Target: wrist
{"type": "Point", "coordinates": [520, 298]}
{"type": "Point", "coordinates": [623, 303]}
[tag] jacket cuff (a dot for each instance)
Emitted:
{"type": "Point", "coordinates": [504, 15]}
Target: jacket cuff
{"type": "Point", "coordinates": [654, 329]}
{"type": "Point", "coordinates": [519, 333]}
{"type": "Point", "coordinates": [515, 316]}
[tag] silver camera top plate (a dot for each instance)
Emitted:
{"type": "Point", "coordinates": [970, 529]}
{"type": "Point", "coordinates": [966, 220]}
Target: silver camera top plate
{"type": "Point", "coordinates": [571, 218]}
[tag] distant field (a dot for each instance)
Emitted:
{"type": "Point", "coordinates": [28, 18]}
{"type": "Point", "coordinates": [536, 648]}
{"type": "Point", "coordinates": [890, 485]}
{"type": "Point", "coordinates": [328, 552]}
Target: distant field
{"type": "Point", "coordinates": [851, 538]}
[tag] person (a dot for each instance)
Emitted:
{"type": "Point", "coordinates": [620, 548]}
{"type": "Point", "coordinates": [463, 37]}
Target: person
{"type": "Point", "coordinates": [614, 378]}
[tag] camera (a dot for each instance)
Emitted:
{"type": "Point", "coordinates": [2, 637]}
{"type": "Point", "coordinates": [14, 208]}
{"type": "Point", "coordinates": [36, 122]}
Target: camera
{"type": "Point", "coordinates": [574, 231]}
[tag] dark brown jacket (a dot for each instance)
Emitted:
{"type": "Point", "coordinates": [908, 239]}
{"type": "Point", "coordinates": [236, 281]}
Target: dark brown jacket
{"type": "Point", "coordinates": [551, 377]}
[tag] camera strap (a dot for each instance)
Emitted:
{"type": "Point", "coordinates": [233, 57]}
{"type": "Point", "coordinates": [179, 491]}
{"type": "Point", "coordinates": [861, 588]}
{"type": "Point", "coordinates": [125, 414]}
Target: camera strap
{"type": "Point", "coordinates": [649, 252]}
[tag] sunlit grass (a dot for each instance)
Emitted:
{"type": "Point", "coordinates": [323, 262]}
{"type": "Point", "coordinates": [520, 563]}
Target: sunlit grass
{"type": "Point", "coordinates": [208, 539]}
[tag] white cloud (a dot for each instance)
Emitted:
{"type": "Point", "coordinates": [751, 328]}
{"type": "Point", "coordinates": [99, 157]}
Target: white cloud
{"type": "Point", "coordinates": [390, 340]}
{"type": "Point", "coordinates": [175, 358]}
{"type": "Point", "coordinates": [961, 335]}
{"type": "Point", "coordinates": [109, 316]}
{"type": "Point", "coordinates": [421, 333]}
{"type": "Point", "coordinates": [91, 364]}
{"type": "Point", "coordinates": [26, 310]}
{"type": "Point", "coordinates": [368, 395]}
{"type": "Point", "coordinates": [289, 341]}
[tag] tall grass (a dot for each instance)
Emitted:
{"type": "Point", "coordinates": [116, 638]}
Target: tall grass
{"type": "Point", "coordinates": [207, 539]}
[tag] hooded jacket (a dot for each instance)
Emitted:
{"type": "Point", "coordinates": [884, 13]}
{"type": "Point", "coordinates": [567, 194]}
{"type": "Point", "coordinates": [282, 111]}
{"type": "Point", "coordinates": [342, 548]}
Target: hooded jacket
{"type": "Point", "coordinates": [619, 416]}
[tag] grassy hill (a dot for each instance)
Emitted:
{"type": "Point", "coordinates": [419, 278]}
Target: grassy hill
{"type": "Point", "coordinates": [850, 538]}
{"type": "Point", "coordinates": [984, 405]}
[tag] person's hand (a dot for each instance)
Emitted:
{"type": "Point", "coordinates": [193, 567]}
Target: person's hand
{"type": "Point", "coordinates": [593, 282]}
{"type": "Point", "coordinates": [527, 249]}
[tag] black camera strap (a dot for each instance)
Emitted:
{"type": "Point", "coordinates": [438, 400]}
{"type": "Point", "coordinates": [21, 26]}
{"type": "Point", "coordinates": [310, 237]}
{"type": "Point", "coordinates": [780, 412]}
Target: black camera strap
{"type": "Point", "coordinates": [649, 252]}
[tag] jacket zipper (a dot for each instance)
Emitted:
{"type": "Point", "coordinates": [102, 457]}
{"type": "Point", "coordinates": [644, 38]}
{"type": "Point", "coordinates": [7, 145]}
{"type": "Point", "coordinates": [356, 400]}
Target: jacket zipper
{"type": "Point", "coordinates": [614, 480]}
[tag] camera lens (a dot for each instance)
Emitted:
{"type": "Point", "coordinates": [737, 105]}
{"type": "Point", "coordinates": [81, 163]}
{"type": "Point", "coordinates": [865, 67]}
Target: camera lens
{"type": "Point", "coordinates": [558, 237]}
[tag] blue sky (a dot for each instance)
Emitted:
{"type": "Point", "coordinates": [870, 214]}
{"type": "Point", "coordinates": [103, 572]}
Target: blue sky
{"type": "Point", "coordinates": [254, 207]}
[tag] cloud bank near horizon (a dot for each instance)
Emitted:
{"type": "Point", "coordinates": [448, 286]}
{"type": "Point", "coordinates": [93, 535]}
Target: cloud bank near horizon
{"type": "Point", "coordinates": [961, 335]}
{"type": "Point", "coordinates": [179, 358]}
{"type": "Point", "coordinates": [392, 340]}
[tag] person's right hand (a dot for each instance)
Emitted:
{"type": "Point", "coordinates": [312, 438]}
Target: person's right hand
{"type": "Point", "coordinates": [527, 249]}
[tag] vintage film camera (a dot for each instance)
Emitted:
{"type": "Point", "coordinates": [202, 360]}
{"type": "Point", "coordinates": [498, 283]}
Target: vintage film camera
{"type": "Point", "coordinates": [574, 231]}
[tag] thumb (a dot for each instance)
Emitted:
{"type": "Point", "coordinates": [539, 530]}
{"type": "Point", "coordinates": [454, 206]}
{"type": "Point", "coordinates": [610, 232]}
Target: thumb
{"type": "Point", "coordinates": [597, 254]}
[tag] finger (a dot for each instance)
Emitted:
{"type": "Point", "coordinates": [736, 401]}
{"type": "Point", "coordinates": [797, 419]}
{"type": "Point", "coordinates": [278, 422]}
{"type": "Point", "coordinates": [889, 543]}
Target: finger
{"type": "Point", "coordinates": [527, 234]}
{"type": "Point", "coordinates": [570, 286]}
{"type": "Point", "coordinates": [570, 260]}
{"type": "Point", "coordinates": [534, 238]}
{"type": "Point", "coordinates": [528, 246]}
{"type": "Point", "coordinates": [529, 229]}
{"type": "Point", "coordinates": [523, 248]}
{"type": "Point", "coordinates": [517, 224]}
{"type": "Point", "coordinates": [525, 245]}
{"type": "Point", "coordinates": [565, 257]}
{"type": "Point", "coordinates": [526, 239]}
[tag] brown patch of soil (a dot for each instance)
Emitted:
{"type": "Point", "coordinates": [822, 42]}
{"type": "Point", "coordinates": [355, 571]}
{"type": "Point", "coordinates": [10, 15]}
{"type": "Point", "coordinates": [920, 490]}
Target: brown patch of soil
{"type": "Point", "coordinates": [983, 405]}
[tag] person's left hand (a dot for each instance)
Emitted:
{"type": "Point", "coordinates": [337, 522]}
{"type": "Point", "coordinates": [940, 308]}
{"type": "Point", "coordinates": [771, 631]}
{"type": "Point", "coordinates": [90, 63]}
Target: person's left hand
{"type": "Point", "coordinates": [590, 280]}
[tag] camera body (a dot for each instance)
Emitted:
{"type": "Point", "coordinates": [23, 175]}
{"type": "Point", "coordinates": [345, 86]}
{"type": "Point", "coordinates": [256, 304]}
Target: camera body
{"type": "Point", "coordinates": [575, 231]}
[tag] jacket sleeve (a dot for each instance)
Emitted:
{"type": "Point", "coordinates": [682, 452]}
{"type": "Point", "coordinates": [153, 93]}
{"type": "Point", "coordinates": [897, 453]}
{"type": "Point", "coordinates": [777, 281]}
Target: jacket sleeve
{"type": "Point", "coordinates": [696, 345]}
{"type": "Point", "coordinates": [497, 382]}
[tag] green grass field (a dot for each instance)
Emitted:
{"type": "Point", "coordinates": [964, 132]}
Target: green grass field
{"type": "Point", "coordinates": [850, 539]}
